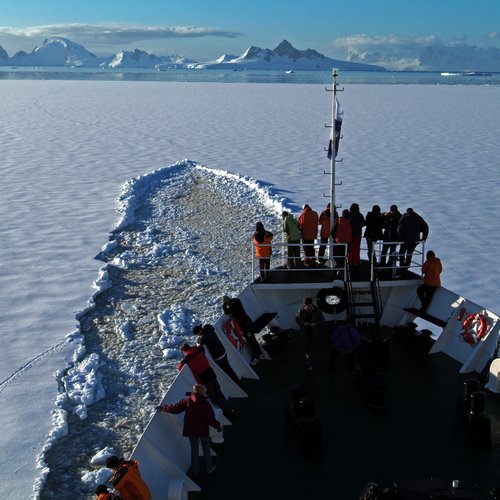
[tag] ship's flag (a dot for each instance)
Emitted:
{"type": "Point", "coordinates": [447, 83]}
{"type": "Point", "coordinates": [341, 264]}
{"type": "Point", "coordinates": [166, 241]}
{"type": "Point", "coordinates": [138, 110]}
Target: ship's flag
{"type": "Point", "coordinates": [338, 125]}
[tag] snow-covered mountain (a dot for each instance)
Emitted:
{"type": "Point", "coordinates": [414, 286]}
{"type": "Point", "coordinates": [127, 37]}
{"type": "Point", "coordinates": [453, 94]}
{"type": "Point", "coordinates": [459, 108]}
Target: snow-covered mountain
{"type": "Point", "coordinates": [435, 57]}
{"type": "Point", "coordinates": [140, 59]}
{"type": "Point", "coordinates": [61, 52]}
{"type": "Point", "coordinates": [133, 59]}
{"type": "Point", "coordinates": [285, 56]}
{"type": "Point", "coordinates": [56, 51]}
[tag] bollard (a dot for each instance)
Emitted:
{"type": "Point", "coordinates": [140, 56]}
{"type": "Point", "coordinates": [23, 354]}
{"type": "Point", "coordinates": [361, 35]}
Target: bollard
{"type": "Point", "coordinates": [479, 425]}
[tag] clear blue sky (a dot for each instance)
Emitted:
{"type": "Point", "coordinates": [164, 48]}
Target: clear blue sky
{"type": "Point", "coordinates": [224, 26]}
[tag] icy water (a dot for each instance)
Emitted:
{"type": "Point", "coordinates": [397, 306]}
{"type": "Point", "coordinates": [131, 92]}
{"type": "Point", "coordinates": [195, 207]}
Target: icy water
{"type": "Point", "coordinates": [157, 268]}
{"type": "Point", "coordinates": [247, 76]}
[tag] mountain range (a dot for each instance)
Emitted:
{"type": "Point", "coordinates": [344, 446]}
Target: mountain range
{"type": "Point", "coordinates": [61, 52]}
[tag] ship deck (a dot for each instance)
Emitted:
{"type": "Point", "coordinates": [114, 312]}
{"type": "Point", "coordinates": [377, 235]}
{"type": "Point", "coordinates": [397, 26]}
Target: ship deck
{"type": "Point", "coordinates": [323, 274]}
{"type": "Point", "coordinates": [420, 436]}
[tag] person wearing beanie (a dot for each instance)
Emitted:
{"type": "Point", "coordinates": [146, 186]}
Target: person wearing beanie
{"type": "Point", "coordinates": [262, 241]}
{"type": "Point", "coordinates": [431, 269]}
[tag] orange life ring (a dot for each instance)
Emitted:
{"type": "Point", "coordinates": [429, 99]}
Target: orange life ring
{"type": "Point", "coordinates": [235, 334]}
{"type": "Point", "coordinates": [469, 333]}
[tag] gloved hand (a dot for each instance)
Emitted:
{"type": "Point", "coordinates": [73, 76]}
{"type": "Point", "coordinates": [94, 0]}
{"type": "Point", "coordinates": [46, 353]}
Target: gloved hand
{"type": "Point", "coordinates": [159, 408]}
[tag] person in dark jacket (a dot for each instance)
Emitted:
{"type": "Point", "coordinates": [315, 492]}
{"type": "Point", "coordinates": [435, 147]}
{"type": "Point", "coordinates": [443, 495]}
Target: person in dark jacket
{"type": "Point", "coordinates": [412, 229]}
{"type": "Point", "coordinates": [345, 339]}
{"type": "Point", "coordinates": [208, 338]}
{"type": "Point", "coordinates": [357, 223]}
{"type": "Point", "coordinates": [234, 308]}
{"type": "Point", "coordinates": [195, 358]}
{"type": "Point", "coordinates": [199, 416]}
{"type": "Point", "coordinates": [127, 479]}
{"type": "Point", "coordinates": [391, 222]}
{"type": "Point", "coordinates": [374, 230]}
{"type": "Point", "coordinates": [309, 317]}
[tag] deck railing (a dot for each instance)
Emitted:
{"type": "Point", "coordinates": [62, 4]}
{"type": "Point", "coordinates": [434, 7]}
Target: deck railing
{"type": "Point", "coordinates": [383, 261]}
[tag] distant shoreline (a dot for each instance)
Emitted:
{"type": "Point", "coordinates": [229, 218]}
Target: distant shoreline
{"type": "Point", "coordinates": [246, 76]}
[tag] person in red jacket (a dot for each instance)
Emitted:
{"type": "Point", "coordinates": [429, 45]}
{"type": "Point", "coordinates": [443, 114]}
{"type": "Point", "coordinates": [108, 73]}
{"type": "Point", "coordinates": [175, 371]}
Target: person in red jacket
{"type": "Point", "coordinates": [431, 270]}
{"type": "Point", "coordinates": [199, 416]}
{"type": "Point", "coordinates": [343, 234]}
{"type": "Point", "coordinates": [324, 222]}
{"type": "Point", "coordinates": [195, 358]}
{"type": "Point", "coordinates": [127, 479]}
{"type": "Point", "coordinates": [262, 240]}
{"type": "Point", "coordinates": [308, 223]}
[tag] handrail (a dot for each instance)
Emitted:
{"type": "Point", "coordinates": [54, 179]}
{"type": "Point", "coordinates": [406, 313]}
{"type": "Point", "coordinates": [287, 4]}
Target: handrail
{"type": "Point", "coordinates": [394, 257]}
{"type": "Point", "coordinates": [280, 253]}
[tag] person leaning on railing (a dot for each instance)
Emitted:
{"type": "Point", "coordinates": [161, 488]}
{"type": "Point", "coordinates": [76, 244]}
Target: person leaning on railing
{"type": "Point", "coordinates": [342, 233]}
{"type": "Point", "coordinates": [412, 229]}
{"type": "Point", "coordinates": [262, 240]}
{"type": "Point", "coordinates": [390, 222]}
{"type": "Point", "coordinates": [198, 417]}
{"type": "Point", "coordinates": [308, 223]}
{"type": "Point", "coordinates": [324, 223]}
{"type": "Point", "coordinates": [291, 228]}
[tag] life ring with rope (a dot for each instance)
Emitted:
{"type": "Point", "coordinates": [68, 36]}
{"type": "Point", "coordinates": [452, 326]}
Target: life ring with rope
{"type": "Point", "coordinates": [469, 333]}
{"type": "Point", "coordinates": [332, 300]}
{"type": "Point", "coordinates": [235, 334]}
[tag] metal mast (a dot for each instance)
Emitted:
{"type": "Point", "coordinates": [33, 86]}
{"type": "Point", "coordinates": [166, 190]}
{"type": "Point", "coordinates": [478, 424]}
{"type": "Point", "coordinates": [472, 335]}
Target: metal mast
{"type": "Point", "coordinates": [333, 145]}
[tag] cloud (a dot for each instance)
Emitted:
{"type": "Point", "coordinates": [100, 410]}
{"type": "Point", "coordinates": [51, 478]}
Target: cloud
{"type": "Point", "coordinates": [391, 51]}
{"type": "Point", "coordinates": [114, 33]}
{"type": "Point", "coordinates": [495, 35]}
{"type": "Point", "coordinates": [418, 53]}
{"type": "Point", "coordinates": [395, 44]}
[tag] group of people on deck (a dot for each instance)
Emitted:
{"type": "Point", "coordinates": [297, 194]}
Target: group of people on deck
{"type": "Point", "coordinates": [197, 407]}
{"type": "Point", "coordinates": [392, 228]}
